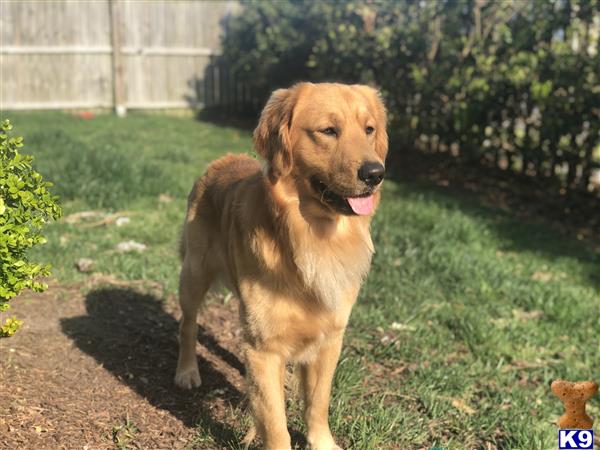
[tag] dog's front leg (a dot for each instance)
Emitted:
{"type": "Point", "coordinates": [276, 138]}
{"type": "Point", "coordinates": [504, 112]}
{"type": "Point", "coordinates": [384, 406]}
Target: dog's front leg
{"type": "Point", "coordinates": [265, 375]}
{"type": "Point", "coordinates": [316, 379]}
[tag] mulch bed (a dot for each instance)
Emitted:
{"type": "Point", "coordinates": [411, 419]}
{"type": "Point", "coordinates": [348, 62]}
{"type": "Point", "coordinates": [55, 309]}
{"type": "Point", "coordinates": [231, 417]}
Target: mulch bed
{"type": "Point", "coordinates": [93, 367]}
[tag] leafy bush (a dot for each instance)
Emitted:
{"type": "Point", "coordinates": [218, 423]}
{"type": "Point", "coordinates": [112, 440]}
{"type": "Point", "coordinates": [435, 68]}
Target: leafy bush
{"type": "Point", "coordinates": [515, 84]}
{"type": "Point", "coordinates": [25, 207]}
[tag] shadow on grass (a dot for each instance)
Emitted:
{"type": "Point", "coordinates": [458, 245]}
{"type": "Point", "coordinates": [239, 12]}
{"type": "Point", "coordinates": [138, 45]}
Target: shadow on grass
{"type": "Point", "coordinates": [131, 335]}
{"type": "Point", "coordinates": [221, 117]}
{"type": "Point", "coordinates": [528, 215]}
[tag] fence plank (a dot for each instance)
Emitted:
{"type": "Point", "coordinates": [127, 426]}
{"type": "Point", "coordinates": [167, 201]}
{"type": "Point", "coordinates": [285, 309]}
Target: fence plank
{"type": "Point", "coordinates": [58, 53]}
{"type": "Point", "coordinates": [118, 80]}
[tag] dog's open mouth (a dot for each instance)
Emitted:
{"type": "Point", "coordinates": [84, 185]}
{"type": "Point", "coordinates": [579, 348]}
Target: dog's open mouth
{"type": "Point", "coordinates": [361, 205]}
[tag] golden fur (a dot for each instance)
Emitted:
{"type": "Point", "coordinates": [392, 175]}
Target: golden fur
{"type": "Point", "coordinates": [295, 262]}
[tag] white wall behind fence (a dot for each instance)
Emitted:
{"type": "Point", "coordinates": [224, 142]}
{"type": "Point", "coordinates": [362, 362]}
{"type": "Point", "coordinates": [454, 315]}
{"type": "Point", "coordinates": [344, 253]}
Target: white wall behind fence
{"type": "Point", "coordinates": [61, 54]}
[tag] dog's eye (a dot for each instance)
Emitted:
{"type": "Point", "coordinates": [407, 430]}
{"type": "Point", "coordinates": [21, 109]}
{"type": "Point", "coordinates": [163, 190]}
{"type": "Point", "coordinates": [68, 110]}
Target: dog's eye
{"type": "Point", "coordinates": [369, 130]}
{"type": "Point", "coordinates": [329, 131]}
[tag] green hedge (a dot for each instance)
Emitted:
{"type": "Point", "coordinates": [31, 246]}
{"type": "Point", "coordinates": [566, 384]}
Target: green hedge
{"type": "Point", "coordinates": [26, 206]}
{"type": "Point", "coordinates": [515, 84]}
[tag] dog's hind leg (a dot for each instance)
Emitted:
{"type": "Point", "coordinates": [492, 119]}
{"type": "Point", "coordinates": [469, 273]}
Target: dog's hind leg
{"type": "Point", "coordinates": [194, 282]}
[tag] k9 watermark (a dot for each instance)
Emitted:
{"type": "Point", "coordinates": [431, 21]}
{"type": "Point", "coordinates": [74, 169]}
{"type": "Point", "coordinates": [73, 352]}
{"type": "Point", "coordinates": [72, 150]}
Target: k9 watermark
{"type": "Point", "coordinates": [575, 439]}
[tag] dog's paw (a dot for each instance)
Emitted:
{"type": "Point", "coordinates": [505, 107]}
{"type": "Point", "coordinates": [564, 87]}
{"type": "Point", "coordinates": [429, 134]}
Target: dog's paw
{"type": "Point", "coordinates": [188, 378]}
{"type": "Point", "coordinates": [322, 443]}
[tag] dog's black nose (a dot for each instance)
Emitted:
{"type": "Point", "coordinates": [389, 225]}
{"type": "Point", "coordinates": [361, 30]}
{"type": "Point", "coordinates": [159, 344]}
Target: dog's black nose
{"type": "Point", "coordinates": [371, 173]}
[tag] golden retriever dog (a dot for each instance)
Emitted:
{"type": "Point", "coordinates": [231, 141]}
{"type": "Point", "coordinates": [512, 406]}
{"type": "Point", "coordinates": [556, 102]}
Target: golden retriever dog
{"type": "Point", "coordinates": [291, 239]}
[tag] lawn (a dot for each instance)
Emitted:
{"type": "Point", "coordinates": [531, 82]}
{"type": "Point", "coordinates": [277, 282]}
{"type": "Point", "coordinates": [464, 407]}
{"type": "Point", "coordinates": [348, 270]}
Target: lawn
{"type": "Point", "coordinates": [467, 315]}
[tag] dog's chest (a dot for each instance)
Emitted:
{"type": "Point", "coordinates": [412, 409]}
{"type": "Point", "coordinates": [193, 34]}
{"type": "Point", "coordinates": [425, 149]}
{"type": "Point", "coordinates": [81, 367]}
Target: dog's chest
{"type": "Point", "coordinates": [331, 269]}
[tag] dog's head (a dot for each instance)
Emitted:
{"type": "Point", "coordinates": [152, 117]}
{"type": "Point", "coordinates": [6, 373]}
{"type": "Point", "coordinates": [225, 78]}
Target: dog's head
{"type": "Point", "coordinates": [331, 140]}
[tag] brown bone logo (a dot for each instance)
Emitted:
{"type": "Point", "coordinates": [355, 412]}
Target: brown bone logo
{"type": "Point", "coordinates": [574, 396]}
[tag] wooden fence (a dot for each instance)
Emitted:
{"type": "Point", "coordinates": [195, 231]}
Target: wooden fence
{"type": "Point", "coordinates": [111, 53]}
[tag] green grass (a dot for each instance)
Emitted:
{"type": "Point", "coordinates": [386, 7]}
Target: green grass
{"type": "Point", "coordinates": [114, 166]}
{"type": "Point", "coordinates": [467, 315]}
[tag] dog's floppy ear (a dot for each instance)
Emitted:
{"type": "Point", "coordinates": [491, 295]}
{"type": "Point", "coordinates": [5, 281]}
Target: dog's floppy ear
{"type": "Point", "coordinates": [381, 136]}
{"type": "Point", "coordinates": [272, 138]}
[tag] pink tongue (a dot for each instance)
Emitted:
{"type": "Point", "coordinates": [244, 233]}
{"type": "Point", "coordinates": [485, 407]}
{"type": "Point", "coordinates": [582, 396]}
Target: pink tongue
{"type": "Point", "coordinates": [361, 205]}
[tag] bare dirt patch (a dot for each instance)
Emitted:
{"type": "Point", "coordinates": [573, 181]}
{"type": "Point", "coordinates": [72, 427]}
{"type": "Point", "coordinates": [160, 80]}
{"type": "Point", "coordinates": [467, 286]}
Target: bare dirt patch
{"type": "Point", "coordinates": [93, 367]}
